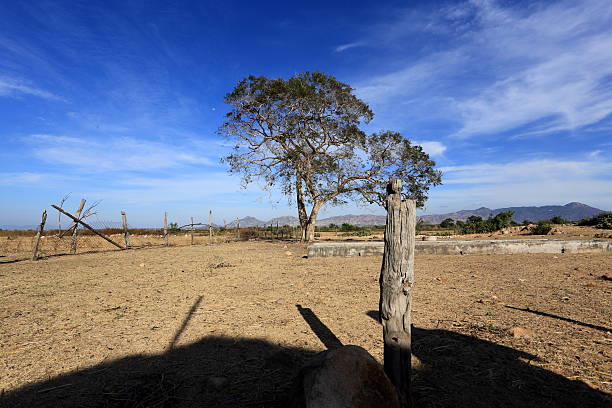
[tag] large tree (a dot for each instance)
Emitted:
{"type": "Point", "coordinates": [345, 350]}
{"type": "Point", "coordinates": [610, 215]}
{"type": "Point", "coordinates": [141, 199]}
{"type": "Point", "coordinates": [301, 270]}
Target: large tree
{"type": "Point", "coordinates": [303, 135]}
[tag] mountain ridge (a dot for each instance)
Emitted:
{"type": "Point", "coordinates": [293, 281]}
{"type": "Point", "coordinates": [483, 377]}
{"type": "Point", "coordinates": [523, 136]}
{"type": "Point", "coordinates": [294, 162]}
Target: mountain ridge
{"type": "Point", "coordinates": [573, 211]}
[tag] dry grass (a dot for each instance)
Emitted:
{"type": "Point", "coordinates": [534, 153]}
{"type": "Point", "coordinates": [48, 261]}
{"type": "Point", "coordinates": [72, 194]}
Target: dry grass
{"type": "Point", "coordinates": [150, 327]}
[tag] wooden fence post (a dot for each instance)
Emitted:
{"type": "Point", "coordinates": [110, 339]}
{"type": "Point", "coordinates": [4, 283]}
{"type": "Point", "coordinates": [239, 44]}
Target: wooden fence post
{"type": "Point", "coordinates": [89, 227]}
{"type": "Point", "coordinates": [210, 227]}
{"type": "Point", "coordinates": [237, 230]}
{"type": "Point", "coordinates": [396, 280]}
{"type": "Point", "coordinates": [126, 233]}
{"type": "Point", "coordinates": [39, 232]}
{"type": "Point", "coordinates": [165, 228]}
{"type": "Point", "coordinates": [191, 230]}
{"type": "Point", "coordinates": [73, 242]}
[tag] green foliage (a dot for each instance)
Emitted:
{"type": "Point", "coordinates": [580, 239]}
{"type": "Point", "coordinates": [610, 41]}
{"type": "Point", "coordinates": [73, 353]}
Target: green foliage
{"type": "Point", "coordinates": [526, 222]}
{"type": "Point", "coordinates": [558, 220]}
{"type": "Point", "coordinates": [601, 220]}
{"type": "Point", "coordinates": [348, 227]}
{"type": "Point", "coordinates": [476, 225]}
{"type": "Point", "coordinates": [447, 223]}
{"type": "Point", "coordinates": [303, 134]}
{"type": "Point", "coordinates": [542, 228]}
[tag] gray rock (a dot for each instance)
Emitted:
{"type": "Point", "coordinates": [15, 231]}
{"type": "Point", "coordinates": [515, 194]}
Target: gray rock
{"type": "Point", "coordinates": [345, 377]}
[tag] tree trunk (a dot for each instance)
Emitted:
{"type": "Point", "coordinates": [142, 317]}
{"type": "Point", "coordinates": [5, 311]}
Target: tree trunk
{"type": "Point", "coordinates": [302, 215]}
{"type": "Point", "coordinates": [396, 280]}
{"type": "Point", "coordinates": [308, 231]}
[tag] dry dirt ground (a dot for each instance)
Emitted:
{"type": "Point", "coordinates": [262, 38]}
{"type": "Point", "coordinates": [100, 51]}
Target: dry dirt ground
{"type": "Point", "coordinates": [228, 325]}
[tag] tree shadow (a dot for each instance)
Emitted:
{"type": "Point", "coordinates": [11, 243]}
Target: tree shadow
{"type": "Point", "coordinates": [257, 373]}
{"type": "Point", "coordinates": [457, 370]}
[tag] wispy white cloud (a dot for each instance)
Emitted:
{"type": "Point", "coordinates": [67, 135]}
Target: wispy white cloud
{"type": "Point", "coordinates": [114, 154]}
{"type": "Point", "coordinates": [348, 46]}
{"type": "Point", "coordinates": [532, 182]}
{"type": "Point", "coordinates": [547, 65]}
{"type": "Point", "coordinates": [11, 87]}
{"type": "Point", "coordinates": [432, 148]}
{"type": "Point", "coordinates": [536, 171]}
{"type": "Point", "coordinates": [595, 153]}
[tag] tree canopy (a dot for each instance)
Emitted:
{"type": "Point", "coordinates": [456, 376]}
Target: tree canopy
{"type": "Point", "coordinates": [303, 135]}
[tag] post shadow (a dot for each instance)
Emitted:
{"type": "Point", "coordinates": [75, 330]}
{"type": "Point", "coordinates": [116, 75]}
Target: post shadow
{"type": "Point", "coordinates": [327, 337]}
{"type": "Point", "coordinates": [565, 319]}
{"type": "Point", "coordinates": [186, 320]}
{"type": "Point", "coordinates": [457, 370]}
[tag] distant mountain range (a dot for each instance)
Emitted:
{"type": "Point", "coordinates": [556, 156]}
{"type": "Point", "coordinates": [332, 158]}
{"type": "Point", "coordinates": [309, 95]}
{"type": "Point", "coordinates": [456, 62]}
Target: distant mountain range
{"type": "Point", "coordinates": [571, 212]}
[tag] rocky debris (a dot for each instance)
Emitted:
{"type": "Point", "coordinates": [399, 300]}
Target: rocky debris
{"type": "Point", "coordinates": [344, 377]}
{"type": "Point", "coordinates": [288, 253]}
{"type": "Point", "coordinates": [607, 277]}
{"type": "Point", "coordinates": [521, 333]}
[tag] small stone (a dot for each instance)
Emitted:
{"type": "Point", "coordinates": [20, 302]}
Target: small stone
{"type": "Point", "coordinates": [217, 383]}
{"type": "Point", "coordinates": [288, 253]}
{"type": "Point", "coordinates": [521, 333]}
{"type": "Point", "coordinates": [142, 265]}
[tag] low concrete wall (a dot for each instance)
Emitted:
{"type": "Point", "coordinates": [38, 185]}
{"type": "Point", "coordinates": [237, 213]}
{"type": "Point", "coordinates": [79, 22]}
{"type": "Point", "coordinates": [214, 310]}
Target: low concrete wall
{"type": "Point", "coordinates": [517, 246]}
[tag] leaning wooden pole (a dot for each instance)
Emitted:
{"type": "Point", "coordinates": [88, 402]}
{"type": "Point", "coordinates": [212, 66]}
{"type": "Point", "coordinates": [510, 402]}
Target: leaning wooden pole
{"type": "Point", "coordinates": [126, 232]}
{"type": "Point", "coordinates": [89, 227]}
{"type": "Point", "coordinates": [73, 242]}
{"type": "Point", "coordinates": [165, 228]}
{"type": "Point", "coordinates": [39, 232]}
{"type": "Point", "coordinates": [396, 280]}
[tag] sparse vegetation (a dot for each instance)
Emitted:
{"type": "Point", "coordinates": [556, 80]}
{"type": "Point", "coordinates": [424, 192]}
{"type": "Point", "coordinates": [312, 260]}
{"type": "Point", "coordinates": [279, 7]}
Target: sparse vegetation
{"type": "Point", "coordinates": [448, 223]}
{"type": "Point", "coordinates": [476, 225]}
{"type": "Point", "coordinates": [601, 220]}
{"type": "Point", "coordinates": [542, 228]}
{"type": "Point", "coordinates": [558, 220]}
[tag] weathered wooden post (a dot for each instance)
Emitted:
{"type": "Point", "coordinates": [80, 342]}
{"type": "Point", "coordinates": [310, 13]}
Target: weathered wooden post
{"type": "Point", "coordinates": [396, 280]}
{"type": "Point", "coordinates": [191, 230]}
{"type": "Point", "coordinates": [126, 233]}
{"type": "Point", "coordinates": [237, 230]}
{"type": "Point", "coordinates": [73, 242]}
{"type": "Point", "coordinates": [89, 227]}
{"type": "Point", "coordinates": [165, 228]}
{"type": "Point", "coordinates": [39, 232]}
{"type": "Point", "coordinates": [210, 226]}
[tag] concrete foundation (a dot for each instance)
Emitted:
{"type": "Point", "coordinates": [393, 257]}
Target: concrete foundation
{"type": "Point", "coordinates": [517, 246]}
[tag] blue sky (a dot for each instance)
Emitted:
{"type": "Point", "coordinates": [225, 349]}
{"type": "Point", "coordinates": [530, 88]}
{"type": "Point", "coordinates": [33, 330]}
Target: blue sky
{"type": "Point", "coordinates": [119, 101]}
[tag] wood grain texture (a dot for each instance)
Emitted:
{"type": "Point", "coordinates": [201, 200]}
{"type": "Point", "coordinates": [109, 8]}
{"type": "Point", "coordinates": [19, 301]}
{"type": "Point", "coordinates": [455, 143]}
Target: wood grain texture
{"type": "Point", "coordinates": [39, 232]}
{"type": "Point", "coordinates": [396, 281]}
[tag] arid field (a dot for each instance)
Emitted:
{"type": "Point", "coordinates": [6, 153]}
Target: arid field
{"type": "Point", "coordinates": [229, 324]}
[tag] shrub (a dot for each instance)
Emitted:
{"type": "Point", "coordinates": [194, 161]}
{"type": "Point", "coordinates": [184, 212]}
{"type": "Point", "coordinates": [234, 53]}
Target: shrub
{"type": "Point", "coordinates": [447, 223]}
{"type": "Point", "coordinates": [601, 220]}
{"type": "Point", "coordinates": [476, 225]}
{"type": "Point", "coordinates": [558, 220]}
{"type": "Point", "coordinates": [542, 228]}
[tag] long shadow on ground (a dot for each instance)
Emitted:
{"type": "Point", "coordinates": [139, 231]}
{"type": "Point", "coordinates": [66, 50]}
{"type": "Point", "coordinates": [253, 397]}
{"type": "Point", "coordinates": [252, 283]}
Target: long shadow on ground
{"type": "Point", "coordinates": [462, 371]}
